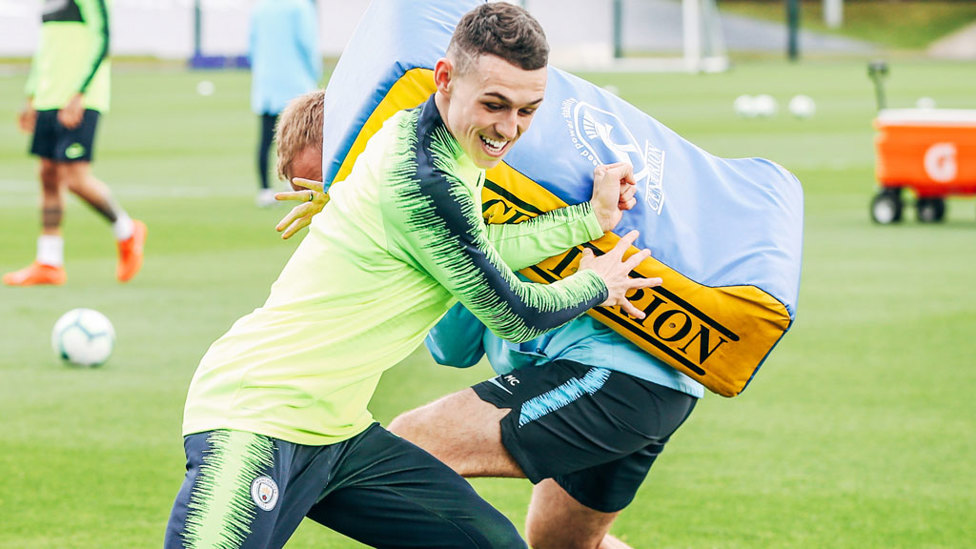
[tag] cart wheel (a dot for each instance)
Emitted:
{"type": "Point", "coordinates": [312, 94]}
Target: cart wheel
{"type": "Point", "coordinates": [886, 206]}
{"type": "Point", "coordinates": [930, 210]}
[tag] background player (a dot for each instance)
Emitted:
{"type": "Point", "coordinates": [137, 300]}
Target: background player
{"type": "Point", "coordinates": [67, 89]}
{"type": "Point", "coordinates": [285, 63]}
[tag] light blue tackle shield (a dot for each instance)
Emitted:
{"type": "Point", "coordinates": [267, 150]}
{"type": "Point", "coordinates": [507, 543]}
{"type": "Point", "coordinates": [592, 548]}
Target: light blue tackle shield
{"type": "Point", "coordinates": [731, 227]}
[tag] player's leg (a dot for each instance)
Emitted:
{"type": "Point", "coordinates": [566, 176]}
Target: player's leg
{"type": "Point", "coordinates": [576, 506]}
{"type": "Point", "coordinates": [52, 201]}
{"type": "Point", "coordinates": [463, 431]}
{"type": "Point", "coordinates": [75, 154]}
{"type": "Point", "coordinates": [130, 234]}
{"type": "Point", "coordinates": [389, 493]}
{"type": "Point", "coordinates": [78, 177]}
{"type": "Point", "coordinates": [557, 520]}
{"type": "Point", "coordinates": [564, 420]}
{"type": "Point", "coordinates": [245, 491]}
{"type": "Point", "coordinates": [48, 267]}
{"type": "Point", "coordinates": [266, 139]}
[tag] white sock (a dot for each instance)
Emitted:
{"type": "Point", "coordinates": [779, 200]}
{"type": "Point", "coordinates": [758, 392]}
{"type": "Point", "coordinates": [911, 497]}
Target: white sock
{"type": "Point", "coordinates": [122, 226]}
{"type": "Point", "coordinates": [50, 250]}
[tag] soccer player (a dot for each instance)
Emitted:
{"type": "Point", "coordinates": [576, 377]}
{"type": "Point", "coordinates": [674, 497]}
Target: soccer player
{"type": "Point", "coordinates": [581, 412]}
{"type": "Point", "coordinates": [67, 89]}
{"type": "Point", "coordinates": [285, 63]}
{"type": "Point", "coordinates": [276, 425]}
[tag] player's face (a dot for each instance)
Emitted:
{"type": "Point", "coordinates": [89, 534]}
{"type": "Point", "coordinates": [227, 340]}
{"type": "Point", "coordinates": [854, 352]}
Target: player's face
{"type": "Point", "coordinates": [307, 164]}
{"type": "Point", "coordinates": [490, 106]}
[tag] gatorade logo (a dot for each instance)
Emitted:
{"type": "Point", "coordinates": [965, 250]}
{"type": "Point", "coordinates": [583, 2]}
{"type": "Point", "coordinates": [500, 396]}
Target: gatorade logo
{"type": "Point", "coordinates": [602, 138]}
{"type": "Point", "coordinates": [74, 151]}
{"type": "Point", "coordinates": [940, 162]}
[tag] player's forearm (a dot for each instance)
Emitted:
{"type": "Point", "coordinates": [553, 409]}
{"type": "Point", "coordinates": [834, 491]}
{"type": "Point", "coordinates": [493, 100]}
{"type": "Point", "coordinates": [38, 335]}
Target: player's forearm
{"type": "Point", "coordinates": [455, 252]}
{"type": "Point", "coordinates": [544, 307]}
{"type": "Point", "coordinates": [95, 13]}
{"type": "Point", "coordinates": [524, 244]}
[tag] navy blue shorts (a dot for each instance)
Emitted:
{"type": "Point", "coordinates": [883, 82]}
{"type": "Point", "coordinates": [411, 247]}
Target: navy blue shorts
{"type": "Point", "coordinates": [594, 431]}
{"type": "Point", "coordinates": [244, 490]}
{"type": "Point", "coordinates": [54, 141]}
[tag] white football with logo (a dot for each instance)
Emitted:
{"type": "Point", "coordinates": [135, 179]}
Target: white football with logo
{"type": "Point", "coordinates": [84, 337]}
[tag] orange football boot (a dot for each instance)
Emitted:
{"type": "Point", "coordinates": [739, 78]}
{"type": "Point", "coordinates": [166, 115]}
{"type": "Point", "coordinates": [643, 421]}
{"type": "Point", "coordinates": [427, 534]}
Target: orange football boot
{"type": "Point", "coordinates": [36, 274]}
{"type": "Point", "coordinates": [130, 252]}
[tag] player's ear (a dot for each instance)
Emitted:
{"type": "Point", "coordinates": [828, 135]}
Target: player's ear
{"type": "Point", "coordinates": [443, 75]}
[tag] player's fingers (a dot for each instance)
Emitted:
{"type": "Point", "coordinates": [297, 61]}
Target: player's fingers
{"type": "Point", "coordinates": [295, 212]}
{"type": "Point", "coordinates": [292, 195]}
{"type": "Point", "coordinates": [624, 205]}
{"type": "Point", "coordinates": [298, 225]}
{"type": "Point", "coordinates": [623, 244]}
{"type": "Point", "coordinates": [627, 191]}
{"type": "Point", "coordinates": [652, 282]}
{"type": "Point", "coordinates": [635, 259]}
{"type": "Point", "coordinates": [631, 310]}
{"type": "Point", "coordinates": [585, 258]}
{"type": "Point", "coordinates": [70, 120]}
{"type": "Point", "coordinates": [624, 171]}
{"type": "Point", "coordinates": [629, 204]}
{"type": "Point", "coordinates": [308, 184]}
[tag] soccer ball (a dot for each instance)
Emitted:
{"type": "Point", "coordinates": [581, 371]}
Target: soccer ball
{"type": "Point", "coordinates": [802, 106]}
{"type": "Point", "coordinates": [745, 106]}
{"type": "Point", "coordinates": [206, 88]}
{"type": "Point", "coordinates": [84, 337]}
{"type": "Point", "coordinates": [764, 105]}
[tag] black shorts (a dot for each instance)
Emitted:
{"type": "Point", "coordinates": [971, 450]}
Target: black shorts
{"type": "Point", "coordinates": [55, 142]}
{"type": "Point", "coordinates": [248, 491]}
{"type": "Point", "coordinates": [594, 431]}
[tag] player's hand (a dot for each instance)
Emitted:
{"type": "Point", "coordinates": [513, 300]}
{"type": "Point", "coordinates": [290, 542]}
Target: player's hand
{"type": "Point", "coordinates": [70, 115]}
{"type": "Point", "coordinates": [313, 200]}
{"type": "Point", "coordinates": [615, 272]}
{"type": "Point", "coordinates": [27, 118]}
{"type": "Point", "coordinates": [614, 191]}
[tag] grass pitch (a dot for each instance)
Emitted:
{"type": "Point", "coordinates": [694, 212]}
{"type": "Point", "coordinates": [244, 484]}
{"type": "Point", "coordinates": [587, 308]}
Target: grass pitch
{"type": "Point", "coordinates": [858, 432]}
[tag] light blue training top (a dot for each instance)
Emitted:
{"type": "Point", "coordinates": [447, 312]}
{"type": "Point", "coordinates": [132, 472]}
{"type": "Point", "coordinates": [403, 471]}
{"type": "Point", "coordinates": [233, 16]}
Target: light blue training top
{"type": "Point", "coordinates": [460, 340]}
{"type": "Point", "coordinates": [284, 53]}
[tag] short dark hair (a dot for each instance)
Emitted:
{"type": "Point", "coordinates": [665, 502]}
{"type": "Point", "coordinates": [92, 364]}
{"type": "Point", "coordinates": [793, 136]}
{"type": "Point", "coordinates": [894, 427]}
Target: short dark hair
{"type": "Point", "coordinates": [501, 29]}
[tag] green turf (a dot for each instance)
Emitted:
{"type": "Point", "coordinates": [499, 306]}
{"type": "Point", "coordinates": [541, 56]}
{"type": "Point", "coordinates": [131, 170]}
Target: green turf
{"type": "Point", "coordinates": [859, 431]}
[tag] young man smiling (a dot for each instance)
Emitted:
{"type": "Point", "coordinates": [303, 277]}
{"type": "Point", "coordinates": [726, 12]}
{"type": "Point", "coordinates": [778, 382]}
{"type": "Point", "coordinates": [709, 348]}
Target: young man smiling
{"type": "Point", "coordinates": [276, 425]}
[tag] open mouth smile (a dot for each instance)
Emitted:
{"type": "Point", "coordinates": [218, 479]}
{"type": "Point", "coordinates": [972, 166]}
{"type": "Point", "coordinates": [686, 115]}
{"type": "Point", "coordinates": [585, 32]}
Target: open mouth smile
{"type": "Point", "coordinates": [492, 146]}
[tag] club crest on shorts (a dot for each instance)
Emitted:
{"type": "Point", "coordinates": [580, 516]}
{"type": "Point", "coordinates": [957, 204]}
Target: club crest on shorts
{"type": "Point", "coordinates": [264, 492]}
{"type": "Point", "coordinates": [75, 150]}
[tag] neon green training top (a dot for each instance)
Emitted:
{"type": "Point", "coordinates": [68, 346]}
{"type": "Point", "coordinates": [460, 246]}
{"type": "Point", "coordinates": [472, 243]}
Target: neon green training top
{"type": "Point", "coordinates": [401, 240]}
{"type": "Point", "coordinates": [72, 56]}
